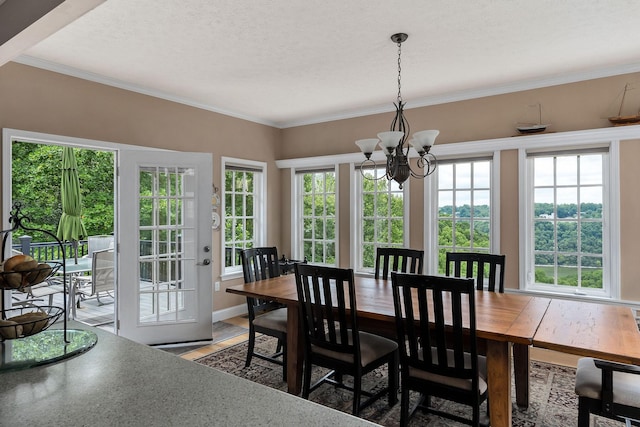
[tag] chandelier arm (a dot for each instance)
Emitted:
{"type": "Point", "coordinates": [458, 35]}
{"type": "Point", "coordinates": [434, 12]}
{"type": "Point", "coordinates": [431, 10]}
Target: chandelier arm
{"type": "Point", "coordinates": [427, 163]}
{"type": "Point", "coordinates": [375, 168]}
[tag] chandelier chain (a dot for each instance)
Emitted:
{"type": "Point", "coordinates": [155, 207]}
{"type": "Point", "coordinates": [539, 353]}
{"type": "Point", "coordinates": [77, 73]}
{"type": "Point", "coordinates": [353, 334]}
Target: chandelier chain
{"type": "Point", "coordinates": [399, 72]}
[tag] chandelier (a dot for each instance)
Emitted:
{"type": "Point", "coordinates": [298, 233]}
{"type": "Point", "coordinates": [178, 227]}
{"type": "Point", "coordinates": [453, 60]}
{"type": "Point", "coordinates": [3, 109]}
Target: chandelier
{"type": "Point", "coordinates": [394, 142]}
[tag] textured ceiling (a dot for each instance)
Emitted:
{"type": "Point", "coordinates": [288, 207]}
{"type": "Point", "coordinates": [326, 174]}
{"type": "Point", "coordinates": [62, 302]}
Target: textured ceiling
{"type": "Point", "coordinates": [285, 62]}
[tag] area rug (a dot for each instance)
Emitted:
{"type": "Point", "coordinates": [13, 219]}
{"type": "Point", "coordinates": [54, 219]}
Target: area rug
{"type": "Point", "coordinates": [553, 401]}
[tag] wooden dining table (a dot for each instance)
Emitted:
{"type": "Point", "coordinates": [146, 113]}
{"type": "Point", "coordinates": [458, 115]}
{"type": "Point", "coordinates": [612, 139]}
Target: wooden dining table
{"type": "Point", "coordinates": [502, 320]}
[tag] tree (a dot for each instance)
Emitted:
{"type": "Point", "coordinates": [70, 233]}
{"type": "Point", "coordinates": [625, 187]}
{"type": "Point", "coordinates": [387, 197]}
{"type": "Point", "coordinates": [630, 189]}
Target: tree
{"type": "Point", "coordinates": [36, 172]}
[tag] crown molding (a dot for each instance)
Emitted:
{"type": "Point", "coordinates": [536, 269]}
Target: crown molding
{"type": "Point", "coordinates": [482, 147]}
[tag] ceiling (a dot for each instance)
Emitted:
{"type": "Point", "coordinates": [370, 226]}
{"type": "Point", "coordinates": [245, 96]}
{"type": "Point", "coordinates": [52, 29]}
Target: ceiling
{"type": "Point", "coordinates": [286, 63]}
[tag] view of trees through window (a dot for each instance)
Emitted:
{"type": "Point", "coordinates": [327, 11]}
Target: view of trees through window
{"type": "Point", "coordinates": [36, 174]}
{"type": "Point", "coordinates": [240, 213]}
{"type": "Point", "coordinates": [464, 208]}
{"type": "Point", "coordinates": [319, 216]}
{"type": "Point", "coordinates": [382, 215]}
{"type": "Point", "coordinates": [568, 222]}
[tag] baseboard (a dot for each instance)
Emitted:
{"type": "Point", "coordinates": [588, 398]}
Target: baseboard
{"type": "Point", "coordinates": [228, 313]}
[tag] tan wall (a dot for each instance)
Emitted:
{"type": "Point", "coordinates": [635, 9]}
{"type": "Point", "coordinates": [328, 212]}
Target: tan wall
{"type": "Point", "coordinates": [571, 107]}
{"type": "Point", "coordinates": [42, 101]}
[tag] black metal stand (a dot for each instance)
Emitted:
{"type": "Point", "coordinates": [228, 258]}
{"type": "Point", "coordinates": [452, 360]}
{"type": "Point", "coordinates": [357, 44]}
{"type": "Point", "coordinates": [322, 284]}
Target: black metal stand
{"type": "Point", "coordinates": [17, 220]}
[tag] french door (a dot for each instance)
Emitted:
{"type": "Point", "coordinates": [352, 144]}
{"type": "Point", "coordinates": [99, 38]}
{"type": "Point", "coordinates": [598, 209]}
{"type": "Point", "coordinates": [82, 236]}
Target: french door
{"type": "Point", "coordinates": [164, 269]}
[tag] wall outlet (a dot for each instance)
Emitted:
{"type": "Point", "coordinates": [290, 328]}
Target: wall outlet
{"type": "Point", "coordinates": [216, 286]}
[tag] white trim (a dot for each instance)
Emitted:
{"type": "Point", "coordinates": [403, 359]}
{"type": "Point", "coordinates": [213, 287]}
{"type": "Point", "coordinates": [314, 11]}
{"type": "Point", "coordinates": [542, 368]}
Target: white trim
{"type": "Point", "coordinates": [228, 313]}
{"type": "Point", "coordinates": [293, 207]}
{"type": "Point", "coordinates": [431, 208]}
{"type": "Point", "coordinates": [296, 215]}
{"type": "Point", "coordinates": [496, 207]}
{"type": "Point", "coordinates": [486, 146]}
{"type": "Point", "coordinates": [417, 103]}
{"type": "Point", "coordinates": [353, 184]}
{"type": "Point", "coordinates": [614, 222]}
{"type": "Point", "coordinates": [523, 217]}
{"type": "Point", "coordinates": [430, 224]}
{"type": "Point", "coordinates": [260, 201]}
{"type": "Point", "coordinates": [610, 220]}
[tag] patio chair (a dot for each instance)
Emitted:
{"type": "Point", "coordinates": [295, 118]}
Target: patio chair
{"type": "Point", "coordinates": [101, 280]}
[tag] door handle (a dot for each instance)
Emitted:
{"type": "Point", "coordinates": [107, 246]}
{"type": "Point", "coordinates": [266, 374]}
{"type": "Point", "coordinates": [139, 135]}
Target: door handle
{"type": "Point", "coordinates": [204, 262]}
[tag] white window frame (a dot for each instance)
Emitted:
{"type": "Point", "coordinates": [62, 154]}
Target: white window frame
{"type": "Point", "coordinates": [357, 218]}
{"type": "Point", "coordinates": [431, 208]}
{"type": "Point", "coordinates": [260, 222]}
{"type": "Point", "coordinates": [297, 244]}
{"type": "Point", "coordinates": [610, 214]}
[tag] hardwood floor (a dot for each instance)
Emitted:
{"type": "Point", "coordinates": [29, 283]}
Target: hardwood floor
{"type": "Point", "coordinates": [240, 321]}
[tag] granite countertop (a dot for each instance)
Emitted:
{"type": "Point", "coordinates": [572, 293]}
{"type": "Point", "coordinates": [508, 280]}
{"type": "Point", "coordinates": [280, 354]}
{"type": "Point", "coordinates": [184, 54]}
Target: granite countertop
{"type": "Point", "coordinates": [120, 382]}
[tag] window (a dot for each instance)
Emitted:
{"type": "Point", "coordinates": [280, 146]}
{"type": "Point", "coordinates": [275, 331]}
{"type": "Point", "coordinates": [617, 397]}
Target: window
{"type": "Point", "coordinates": [568, 231]}
{"type": "Point", "coordinates": [382, 216]}
{"type": "Point", "coordinates": [464, 208]}
{"type": "Point", "coordinates": [316, 216]}
{"type": "Point", "coordinates": [243, 207]}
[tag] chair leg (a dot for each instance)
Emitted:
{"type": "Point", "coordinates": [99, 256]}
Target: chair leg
{"type": "Point", "coordinates": [393, 368]}
{"type": "Point", "coordinates": [307, 379]}
{"type": "Point", "coordinates": [284, 362]}
{"type": "Point", "coordinates": [357, 392]}
{"type": "Point", "coordinates": [252, 341]}
{"type": "Point", "coordinates": [404, 407]}
{"type": "Point", "coordinates": [583, 412]}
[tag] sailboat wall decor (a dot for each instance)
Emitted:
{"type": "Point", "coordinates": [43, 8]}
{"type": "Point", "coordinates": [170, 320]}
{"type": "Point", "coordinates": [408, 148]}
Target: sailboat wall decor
{"type": "Point", "coordinates": [533, 127]}
{"type": "Point", "coordinates": [621, 120]}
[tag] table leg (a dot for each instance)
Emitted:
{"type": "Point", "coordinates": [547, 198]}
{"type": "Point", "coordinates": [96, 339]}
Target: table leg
{"type": "Point", "coordinates": [499, 378]}
{"type": "Point", "coordinates": [521, 370]}
{"type": "Point", "coordinates": [295, 353]}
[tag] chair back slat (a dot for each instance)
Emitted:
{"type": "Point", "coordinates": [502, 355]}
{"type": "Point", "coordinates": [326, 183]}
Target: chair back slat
{"type": "Point", "coordinates": [399, 260]}
{"type": "Point", "coordinates": [328, 305]}
{"type": "Point", "coordinates": [479, 266]}
{"type": "Point", "coordinates": [260, 264]}
{"type": "Point", "coordinates": [434, 330]}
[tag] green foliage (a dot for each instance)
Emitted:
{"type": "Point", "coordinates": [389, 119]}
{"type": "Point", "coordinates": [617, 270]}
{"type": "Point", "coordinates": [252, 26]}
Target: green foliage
{"type": "Point", "coordinates": [36, 175]}
{"type": "Point", "coordinates": [319, 217]}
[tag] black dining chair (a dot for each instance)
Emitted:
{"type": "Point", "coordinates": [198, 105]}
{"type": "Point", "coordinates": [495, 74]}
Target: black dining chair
{"type": "Point", "coordinates": [403, 260]}
{"type": "Point", "coordinates": [488, 269]}
{"type": "Point", "coordinates": [265, 317]}
{"type": "Point", "coordinates": [485, 268]}
{"type": "Point", "coordinates": [438, 348]}
{"type": "Point", "coordinates": [332, 339]}
{"type": "Point", "coordinates": [608, 389]}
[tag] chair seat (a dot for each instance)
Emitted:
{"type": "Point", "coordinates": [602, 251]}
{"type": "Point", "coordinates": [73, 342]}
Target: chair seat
{"type": "Point", "coordinates": [276, 320]}
{"type": "Point", "coordinates": [589, 384]}
{"type": "Point", "coordinates": [372, 348]}
{"type": "Point", "coordinates": [460, 383]}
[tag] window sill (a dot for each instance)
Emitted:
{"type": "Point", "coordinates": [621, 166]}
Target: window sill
{"type": "Point", "coordinates": [231, 276]}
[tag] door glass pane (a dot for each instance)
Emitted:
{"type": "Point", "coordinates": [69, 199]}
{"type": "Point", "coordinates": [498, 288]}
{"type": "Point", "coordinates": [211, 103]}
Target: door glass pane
{"type": "Point", "coordinates": [167, 244]}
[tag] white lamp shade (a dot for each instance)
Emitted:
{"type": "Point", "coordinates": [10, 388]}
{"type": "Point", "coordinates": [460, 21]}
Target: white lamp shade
{"type": "Point", "coordinates": [417, 145]}
{"type": "Point", "coordinates": [426, 138]}
{"type": "Point", "coordinates": [389, 140]}
{"type": "Point", "coordinates": [367, 145]}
